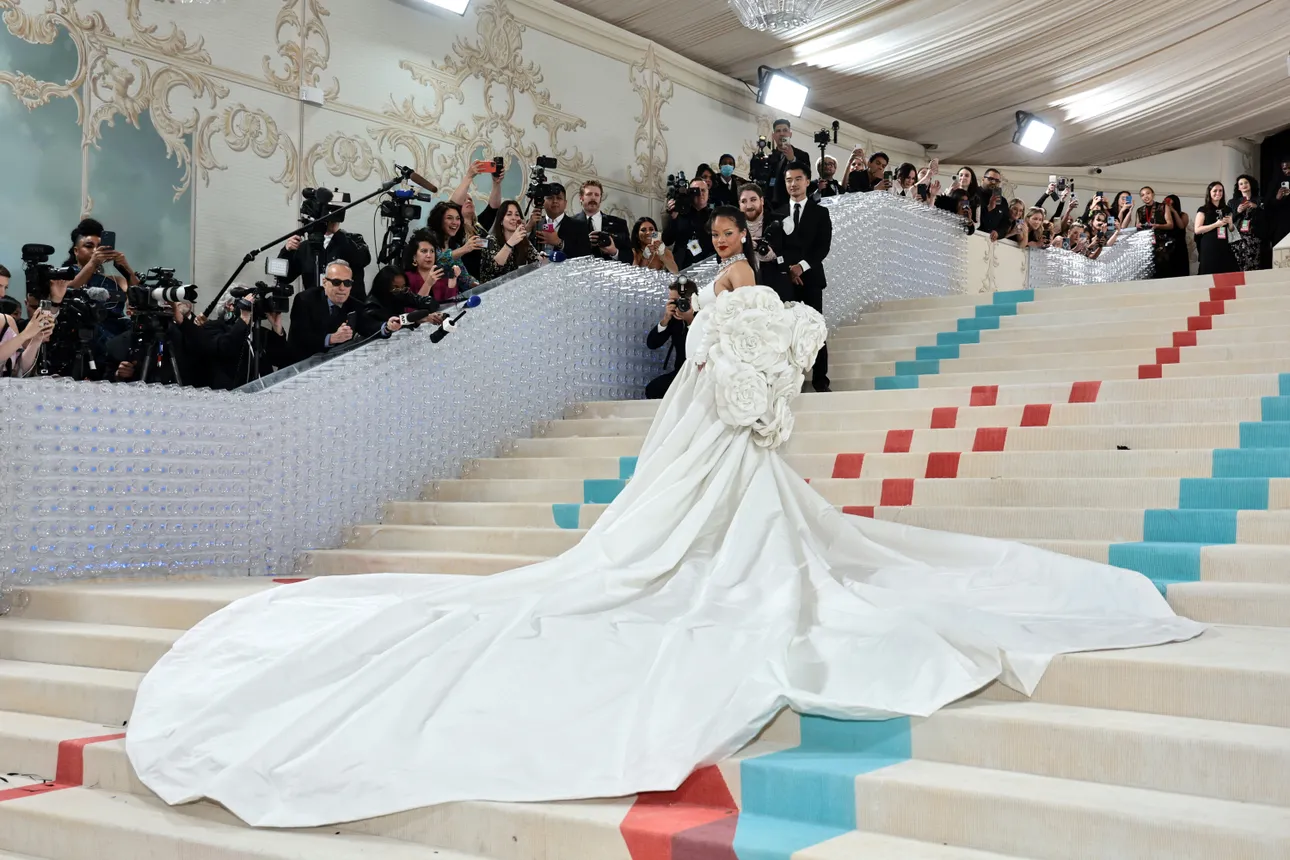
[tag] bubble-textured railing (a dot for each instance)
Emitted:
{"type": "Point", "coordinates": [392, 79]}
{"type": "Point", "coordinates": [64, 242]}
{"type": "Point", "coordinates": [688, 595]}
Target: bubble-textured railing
{"type": "Point", "coordinates": [1129, 259]}
{"type": "Point", "coordinates": [145, 480]}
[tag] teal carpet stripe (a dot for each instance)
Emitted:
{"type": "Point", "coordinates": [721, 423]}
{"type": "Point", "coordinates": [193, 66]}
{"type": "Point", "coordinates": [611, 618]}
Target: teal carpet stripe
{"type": "Point", "coordinates": [1000, 310]}
{"type": "Point", "coordinates": [1283, 387]}
{"type": "Point", "coordinates": [626, 467]}
{"type": "Point", "coordinates": [1239, 494]}
{"type": "Point", "coordinates": [810, 789]}
{"type": "Point", "coordinates": [1251, 463]}
{"type": "Point", "coordinates": [566, 515]}
{"type": "Point", "coordinates": [887, 383]}
{"type": "Point", "coordinates": [1162, 563]}
{"type": "Point", "coordinates": [1169, 526]}
{"type": "Point", "coordinates": [938, 352]}
{"type": "Point", "coordinates": [918, 368]}
{"type": "Point", "coordinates": [945, 338]}
{"type": "Point", "coordinates": [601, 491]}
{"type": "Point", "coordinates": [1012, 297]}
{"type": "Point", "coordinates": [1265, 434]}
{"type": "Point", "coordinates": [973, 324]}
{"type": "Point", "coordinates": [1276, 409]}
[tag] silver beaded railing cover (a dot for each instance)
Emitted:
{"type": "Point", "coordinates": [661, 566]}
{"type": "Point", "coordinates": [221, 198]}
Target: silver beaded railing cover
{"type": "Point", "coordinates": [1129, 259]}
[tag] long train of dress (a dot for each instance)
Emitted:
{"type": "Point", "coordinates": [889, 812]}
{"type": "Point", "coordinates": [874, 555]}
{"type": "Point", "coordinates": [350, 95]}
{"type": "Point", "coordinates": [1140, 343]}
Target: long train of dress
{"type": "Point", "coordinates": [717, 589]}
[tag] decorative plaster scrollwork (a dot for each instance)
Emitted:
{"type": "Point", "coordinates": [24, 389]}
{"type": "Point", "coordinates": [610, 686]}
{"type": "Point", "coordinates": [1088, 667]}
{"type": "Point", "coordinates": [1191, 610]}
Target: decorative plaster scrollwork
{"type": "Point", "coordinates": [648, 175]}
{"type": "Point", "coordinates": [43, 29]}
{"type": "Point", "coordinates": [244, 128]}
{"type": "Point", "coordinates": [303, 61]}
{"type": "Point", "coordinates": [174, 45]}
{"type": "Point", "coordinates": [344, 155]}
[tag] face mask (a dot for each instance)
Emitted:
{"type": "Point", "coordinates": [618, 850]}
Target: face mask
{"type": "Point", "coordinates": [727, 170]}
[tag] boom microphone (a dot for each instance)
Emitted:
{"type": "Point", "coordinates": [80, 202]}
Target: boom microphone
{"type": "Point", "coordinates": [96, 294]}
{"type": "Point", "coordinates": [416, 178]}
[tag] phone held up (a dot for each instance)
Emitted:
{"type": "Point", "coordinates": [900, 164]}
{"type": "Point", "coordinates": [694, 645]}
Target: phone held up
{"type": "Point", "coordinates": [108, 239]}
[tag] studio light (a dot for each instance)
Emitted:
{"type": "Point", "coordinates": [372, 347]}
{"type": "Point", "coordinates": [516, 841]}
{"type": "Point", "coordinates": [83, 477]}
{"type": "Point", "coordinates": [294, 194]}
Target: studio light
{"type": "Point", "coordinates": [458, 6]}
{"type": "Point", "coordinates": [778, 90]}
{"type": "Point", "coordinates": [1032, 132]}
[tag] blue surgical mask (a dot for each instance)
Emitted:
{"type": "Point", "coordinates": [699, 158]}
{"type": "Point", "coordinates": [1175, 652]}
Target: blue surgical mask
{"type": "Point", "coordinates": [727, 170]}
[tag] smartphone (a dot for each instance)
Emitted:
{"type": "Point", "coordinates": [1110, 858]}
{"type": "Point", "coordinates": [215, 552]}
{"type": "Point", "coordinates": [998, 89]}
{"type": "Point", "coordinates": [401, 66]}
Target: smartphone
{"type": "Point", "coordinates": [47, 305]}
{"type": "Point", "coordinates": [1052, 179]}
{"type": "Point", "coordinates": [108, 238]}
{"type": "Point", "coordinates": [352, 321]}
{"type": "Point", "coordinates": [1101, 195]}
{"type": "Point", "coordinates": [1286, 185]}
{"type": "Point", "coordinates": [886, 175]}
{"type": "Point", "coordinates": [1061, 184]}
{"type": "Point", "coordinates": [486, 166]}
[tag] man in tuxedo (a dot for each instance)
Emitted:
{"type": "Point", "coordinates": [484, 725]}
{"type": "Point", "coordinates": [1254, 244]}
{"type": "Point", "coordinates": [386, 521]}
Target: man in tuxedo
{"type": "Point", "coordinates": [336, 245]}
{"type": "Point", "coordinates": [784, 155]}
{"type": "Point", "coordinates": [320, 317]}
{"type": "Point", "coordinates": [591, 195]}
{"type": "Point", "coordinates": [763, 224]}
{"type": "Point", "coordinates": [567, 234]}
{"type": "Point", "coordinates": [670, 332]}
{"type": "Point", "coordinates": [1278, 205]}
{"type": "Point", "coordinates": [726, 185]}
{"type": "Point", "coordinates": [808, 234]}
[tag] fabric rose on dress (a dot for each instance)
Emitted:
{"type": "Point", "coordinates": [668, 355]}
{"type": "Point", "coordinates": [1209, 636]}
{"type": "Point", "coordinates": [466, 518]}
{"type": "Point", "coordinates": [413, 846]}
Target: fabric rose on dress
{"type": "Point", "coordinates": [809, 333]}
{"type": "Point", "coordinates": [742, 396]}
{"type": "Point", "coordinates": [758, 337]}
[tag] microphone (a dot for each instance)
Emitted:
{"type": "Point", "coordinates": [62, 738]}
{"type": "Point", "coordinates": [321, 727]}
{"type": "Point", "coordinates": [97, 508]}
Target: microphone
{"type": "Point", "coordinates": [414, 317]}
{"type": "Point", "coordinates": [96, 294]}
{"type": "Point", "coordinates": [450, 325]}
{"type": "Point", "coordinates": [416, 178]}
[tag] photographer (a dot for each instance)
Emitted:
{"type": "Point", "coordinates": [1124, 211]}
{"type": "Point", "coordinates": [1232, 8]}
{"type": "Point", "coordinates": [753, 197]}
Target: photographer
{"type": "Point", "coordinates": [686, 231]}
{"type": "Point", "coordinates": [164, 345]}
{"type": "Point", "coordinates": [767, 235]}
{"type": "Point", "coordinates": [784, 155]}
{"type": "Point", "coordinates": [607, 234]}
{"type": "Point", "coordinates": [336, 244]}
{"type": "Point", "coordinates": [327, 317]}
{"type": "Point", "coordinates": [826, 185]}
{"type": "Point", "coordinates": [235, 341]}
{"type": "Point", "coordinates": [90, 254]}
{"type": "Point", "coordinates": [549, 226]}
{"type": "Point", "coordinates": [725, 186]}
{"type": "Point", "coordinates": [19, 345]}
{"type": "Point", "coordinates": [671, 331]}
{"type": "Point", "coordinates": [648, 250]}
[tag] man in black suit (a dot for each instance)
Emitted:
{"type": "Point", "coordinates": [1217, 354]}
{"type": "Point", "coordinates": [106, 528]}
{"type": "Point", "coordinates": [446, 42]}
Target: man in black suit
{"type": "Point", "coordinates": [320, 317]}
{"type": "Point", "coordinates": [591, 195]}
{"type": "Point", "coordinates": [687, 234]}
{"type": "Point", "coordinates": [567, 234]}
{"type": "Point", "coordinates": [808, 234]}
{"type": "Point", "coordinates": [672, 331]}
{"type": "Point", "coordinates": [336, 245]}
{"type": "Point", "coordinates": [726, 185]}
{"type": "Point", "coordinates": [1278, 205]}
{"type": "Point", "coordinates": [784, 155]}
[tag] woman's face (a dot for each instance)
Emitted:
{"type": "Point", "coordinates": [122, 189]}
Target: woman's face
{"type": "Point", "coordinates": [706, 176]}
{"type": "Point", "coordinates": [1243, 186]}
{"type": "Point", "coordinates": [512, 219]}
{"type": "Point", "coordinates": [399, 283]}
{"type": "Point", "coordinates": [645, 233]}
{"type": "Point", "coordinates": [908, 180]}
{"type": "Point", "coordinates": [468, 209]}
{"type": "Point", "coordinates": [1035, 220]}
{"type": "Point", "coordinates": [451, 222]}
{"type": "Point", "coordinates": [1125, 200]}
{"type": "Point", "coordinates": [1099, 222]}
{"type": "Point", "coordinates": [1017, 210]}
{"type": "Point", "coordinates": [965, 177]}
{"type": "Point", "coordinates": [727, 238]}
{"type": "Point", "coordinates": [1216, 194]}
{"type": "Point", "coordinates": [425, 255]}
{"type": "Point", "coordinates": [85, 249]}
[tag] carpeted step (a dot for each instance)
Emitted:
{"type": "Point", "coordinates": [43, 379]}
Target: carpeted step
{"type": "Point", "coordinates": [154, 603]}
{"type": "Point", "coordinates": [330, 562]}
{"type": "Point", "coordinates": [103, 696]}
{"type": "Point", "coordinates": [76, 643]}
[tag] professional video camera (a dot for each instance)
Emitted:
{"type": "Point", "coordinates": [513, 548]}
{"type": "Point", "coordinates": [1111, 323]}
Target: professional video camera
{"type": "Point", "coordinates": [539, 188]}
{"type": "Point", "coordinates": [400, 210]}
{"type": "Point", "coordinates": [39, 274]}
{"type": "Point", "coordinates": [680, 193]}
{"type": "Point", "coordinates": [317, 204]}
{"type": "Point", "coordinates": [150, 350]}
{"type": "Point", "coordinates": [823, 138]}
{"type": "Point", "coordinates": [759, 169]}
{"type": "Point", "coordinates": [274, 299]}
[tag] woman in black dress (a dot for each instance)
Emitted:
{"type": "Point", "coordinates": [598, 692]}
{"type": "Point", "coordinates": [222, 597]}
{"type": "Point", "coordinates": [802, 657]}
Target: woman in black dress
{"type": "Point", "coordinates": [1248, 218]}
{"type": "Point", "coordinates": [1213, 226]}
{"type": "Point", "coordinates": [1179, 255]}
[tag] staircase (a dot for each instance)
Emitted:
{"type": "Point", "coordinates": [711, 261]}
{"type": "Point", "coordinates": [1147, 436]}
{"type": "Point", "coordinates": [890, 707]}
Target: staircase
{"type": "Point", "coordinates": [1143, 424]}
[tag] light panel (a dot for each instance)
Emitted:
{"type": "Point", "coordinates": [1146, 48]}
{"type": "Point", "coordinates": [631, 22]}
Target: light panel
{"type": "Point", "coordinates": [1033, 133]}
{"type": "Point", "coordinates": [458, 6]}
{"type": "Point", "coordinates": [783, 93]}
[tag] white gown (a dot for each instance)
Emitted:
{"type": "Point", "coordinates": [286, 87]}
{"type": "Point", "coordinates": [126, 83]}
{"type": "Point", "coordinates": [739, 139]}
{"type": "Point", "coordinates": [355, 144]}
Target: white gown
{"type": "Point", "coordinates": [717, 589]}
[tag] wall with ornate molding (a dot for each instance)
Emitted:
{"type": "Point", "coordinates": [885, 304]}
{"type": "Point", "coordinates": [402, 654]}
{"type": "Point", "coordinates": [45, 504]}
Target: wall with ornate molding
{"type": "Point", "coordinates": [179, 124]}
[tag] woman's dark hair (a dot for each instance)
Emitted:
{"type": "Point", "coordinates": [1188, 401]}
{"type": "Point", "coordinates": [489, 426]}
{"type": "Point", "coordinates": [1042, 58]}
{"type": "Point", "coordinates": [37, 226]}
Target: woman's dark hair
{"type": "Point", "coordinates": [523, 253]}
{"type": "Point", "coordinates": [1254, 185]}
{"type": "Point", "coordinates": [1120, 194]}
{"type": "Point", "coordinates": [87, 227]}
{"type": "Point", "coordinates": [974, 187]}
{"type": "Point", "coordinates": [384, 293]}
{"type": "Point", "coordinates": [749, 252]}
{"type": "Point", "coordinates": [1176, 200]}
{"type": "Point", "coordinates": [434, 225]}
{"type": "Point", "coordinates": [636, 232]}
{"type": "Point", "coordinates": [414, 242]}
{"type": "Point", "coordinates": [698, 171]}
{"type": "Point", "coordinates": [904, 170]}
{"type": "Point", "coordinates": [1211, 211]}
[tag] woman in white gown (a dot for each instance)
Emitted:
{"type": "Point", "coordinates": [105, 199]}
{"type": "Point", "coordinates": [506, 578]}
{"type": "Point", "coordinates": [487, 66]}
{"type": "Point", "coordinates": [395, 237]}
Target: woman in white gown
{"type": "Point", "coordinates": [717, 589]}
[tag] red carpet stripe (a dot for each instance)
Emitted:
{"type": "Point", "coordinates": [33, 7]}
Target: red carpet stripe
{"type": "Point", "coordinates": [1150, 371]}
{"type": "Point", "coordinates": [848, 465]}
{"type": "Point", "coordinates": [69, 770]}
{"type": "Point", "coordinates": [943, 464]}
{"type": "Point", "coordinates": [945, 417]}
{"type": "Point", "coordinates": [1167, 355]}
{"type": "Point", "coordinates": [1036, 415]}
{"type": "Point", "coordinates": [984, 395]}
{"type": "Point", "coordinates": [1184, 338]}
{"type": "Point", "coordinates": [1204, 323]}
{"type": "Point", "coordinates": [659, 821]}
{"type": "Point", "coordinates": [897, 492]}
{"type": "Point", "coordinates": [1085, 392]}
{"type": "Point", "coordinates": [1231, 279]}
{"type": "Point", "coordinates": [858, 510]}
{"type": "Point", "coordinates": [898, 441]}
{"type": "Point", "coordinates": [1211, 309]}
{"type": "Point", "coordinates": [990, 439]}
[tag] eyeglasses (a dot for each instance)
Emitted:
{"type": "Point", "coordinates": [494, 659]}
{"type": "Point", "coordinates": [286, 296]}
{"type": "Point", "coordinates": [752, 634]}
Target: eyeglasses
{"type": "Point", "coordinates": [340, 282]}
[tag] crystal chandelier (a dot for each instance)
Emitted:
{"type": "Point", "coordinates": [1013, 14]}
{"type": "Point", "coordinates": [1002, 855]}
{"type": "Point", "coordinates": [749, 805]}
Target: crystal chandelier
{"type": "Point", "coordinates": [775, 15]}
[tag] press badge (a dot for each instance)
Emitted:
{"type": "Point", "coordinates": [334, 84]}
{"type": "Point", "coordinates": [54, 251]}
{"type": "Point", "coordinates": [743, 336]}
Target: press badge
{"type": "Point", "coordinates": [695, 248]}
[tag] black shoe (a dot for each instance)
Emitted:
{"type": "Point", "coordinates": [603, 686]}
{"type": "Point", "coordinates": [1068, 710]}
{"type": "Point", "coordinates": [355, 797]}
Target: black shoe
{"type": "Point", "coordinates": [824, 390]}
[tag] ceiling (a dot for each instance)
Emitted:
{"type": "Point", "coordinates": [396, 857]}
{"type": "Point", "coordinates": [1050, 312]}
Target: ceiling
{"type": "Point", "coordinates": [1119, 80]}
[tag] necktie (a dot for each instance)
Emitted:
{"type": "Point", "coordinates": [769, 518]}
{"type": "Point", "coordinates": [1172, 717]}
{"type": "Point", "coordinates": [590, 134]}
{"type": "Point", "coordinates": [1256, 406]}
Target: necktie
{"type": "Point", "coordinates": [797, 213]}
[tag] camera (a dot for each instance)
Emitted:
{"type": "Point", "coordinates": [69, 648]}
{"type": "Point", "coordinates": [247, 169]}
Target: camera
{"type": "Point", "coordinates": [274, 299]}
{"type": "Point", "coordinates": [602, 239]}
{"type": "Point", "coordinates": [759, 169]}
{"type": "Point", "coordinates": [317, 204]}
{"type": "Point", "coordinates": [684, 301]}
{"type": "Point", "coordinates": [39, 274]}
{"type": "Point", "coordinates": [683, 197]}
{"type": "Point", "coordinates": [157, 287]}
{"type": "Point", "coordinates": [539, 188]}
{"type": "Point", "coordinates": [823, 137]}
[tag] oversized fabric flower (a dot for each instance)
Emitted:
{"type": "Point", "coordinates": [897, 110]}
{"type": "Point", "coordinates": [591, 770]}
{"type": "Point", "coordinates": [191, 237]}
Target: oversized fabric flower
{"type": "Point", "coordinates": [742, 395]}
{"type": "Point", "coordinates": [774, 430]}
{"type": "Point", "coordinates": [758, 336]}
{"type": "Point", "coordinates": [809, 333]}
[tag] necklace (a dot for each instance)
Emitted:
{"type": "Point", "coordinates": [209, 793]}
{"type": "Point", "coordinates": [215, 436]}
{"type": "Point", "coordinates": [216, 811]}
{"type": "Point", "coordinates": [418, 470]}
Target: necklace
{"type": "Point", "coordinates": [726, 264]}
